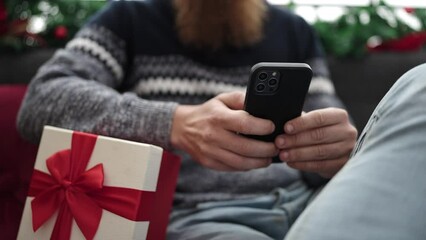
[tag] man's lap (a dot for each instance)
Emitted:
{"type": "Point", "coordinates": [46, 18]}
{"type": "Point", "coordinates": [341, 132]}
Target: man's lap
{"type": "Point", "coordinates": [267, 217]}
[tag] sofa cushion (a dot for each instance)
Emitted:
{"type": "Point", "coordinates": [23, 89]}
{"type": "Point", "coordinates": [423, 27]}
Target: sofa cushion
{"type": "Point", "coordinates": [17, 158]}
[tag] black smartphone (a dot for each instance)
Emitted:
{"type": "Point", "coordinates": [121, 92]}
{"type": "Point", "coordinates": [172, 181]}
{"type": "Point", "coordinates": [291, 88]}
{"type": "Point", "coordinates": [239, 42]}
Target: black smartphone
{"type": "Point", "coordinates": [277, 91]}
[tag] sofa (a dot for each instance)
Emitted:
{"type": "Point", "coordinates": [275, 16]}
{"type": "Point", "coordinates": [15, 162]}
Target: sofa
{"type": "Point", "coordinates": [16, 161]}
{"type": "Point", "coordinates": [361, 83]}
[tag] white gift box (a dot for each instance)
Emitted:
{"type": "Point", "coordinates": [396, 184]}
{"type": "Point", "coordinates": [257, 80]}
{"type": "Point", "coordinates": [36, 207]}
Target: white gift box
{"type": "Point", "coordinates": [126, 165]}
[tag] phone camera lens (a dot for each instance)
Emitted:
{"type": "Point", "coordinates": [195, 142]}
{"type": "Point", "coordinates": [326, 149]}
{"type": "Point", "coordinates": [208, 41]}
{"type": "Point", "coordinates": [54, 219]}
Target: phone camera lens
{"type": "Point", "coordinates": [272, 82]}
{"type": "Point", "coordinates": [260, 87]}
{"type": "Point", "coordinates": [263, 76]}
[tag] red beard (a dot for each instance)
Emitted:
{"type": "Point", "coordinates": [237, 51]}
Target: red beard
{"type": "Point", "coordinates": [216, 23]}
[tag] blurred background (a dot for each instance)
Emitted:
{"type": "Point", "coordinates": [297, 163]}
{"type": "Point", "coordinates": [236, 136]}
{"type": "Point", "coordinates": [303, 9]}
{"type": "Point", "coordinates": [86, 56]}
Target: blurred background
{"type": "Point", "coordinates": [32, 24]}
{"type": "Point", "coordinates": [369, 43]}
{"type": "Point", "coordinates": [347, 30]}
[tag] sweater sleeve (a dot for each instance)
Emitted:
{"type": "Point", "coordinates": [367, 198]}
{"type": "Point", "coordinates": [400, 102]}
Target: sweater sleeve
{"type": "Point", "coordinates": [78, 88]}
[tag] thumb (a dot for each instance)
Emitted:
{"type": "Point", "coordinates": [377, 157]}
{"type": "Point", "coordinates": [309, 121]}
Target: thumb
{"type": "Point", "coordinates": [233, 100]}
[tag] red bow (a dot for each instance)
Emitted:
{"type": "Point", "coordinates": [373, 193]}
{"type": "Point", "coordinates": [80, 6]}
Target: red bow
{"type": "Point", "coordinates": [80, 194]}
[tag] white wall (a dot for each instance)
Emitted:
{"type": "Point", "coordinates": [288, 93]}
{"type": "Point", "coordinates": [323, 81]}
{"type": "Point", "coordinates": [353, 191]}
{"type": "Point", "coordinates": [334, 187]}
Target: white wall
{"type": "Point", "coordinates": [330, 10]}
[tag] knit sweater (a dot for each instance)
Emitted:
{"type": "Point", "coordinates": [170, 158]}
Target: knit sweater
{"type": "Point", "coordinates": [125, 72]}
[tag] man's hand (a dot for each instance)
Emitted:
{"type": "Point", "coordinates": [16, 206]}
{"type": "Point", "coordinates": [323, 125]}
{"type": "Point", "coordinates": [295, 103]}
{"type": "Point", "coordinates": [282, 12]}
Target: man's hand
{"type": "Point", "coordinates": [209, 133]}
{"type": "Point", "coordinates": [319, 141]}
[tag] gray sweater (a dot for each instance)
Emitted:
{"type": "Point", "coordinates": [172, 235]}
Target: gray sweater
{"type": "Point", "coordinates": [123, 76]}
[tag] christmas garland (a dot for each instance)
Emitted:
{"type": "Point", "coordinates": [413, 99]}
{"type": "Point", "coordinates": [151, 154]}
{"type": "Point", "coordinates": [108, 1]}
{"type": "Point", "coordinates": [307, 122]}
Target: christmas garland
{"type": "Point", "coordinates": [59, 20]}
{"type": "Point", "coordinates": [349, 36]}
{"type": "Point", "coordinates": [370, 29]}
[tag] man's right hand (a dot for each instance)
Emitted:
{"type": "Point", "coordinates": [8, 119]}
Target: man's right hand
{"type": "Point", "coordinates": [208, 132]}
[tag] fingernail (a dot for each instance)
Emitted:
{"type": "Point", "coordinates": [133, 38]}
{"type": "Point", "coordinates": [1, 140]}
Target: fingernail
{"type": "Point", "coordinates": [280, 142]}
{"type": "Point", "coordinates": [289, 128]}
{"type": "Point", "coordinates": [272, 127]}
{"type": "Point", "coordinates": [284, 156]}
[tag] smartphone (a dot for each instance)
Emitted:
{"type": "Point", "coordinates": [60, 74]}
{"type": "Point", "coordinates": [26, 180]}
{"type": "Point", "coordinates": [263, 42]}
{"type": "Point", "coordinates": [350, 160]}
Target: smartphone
{"type": "Point", "coordinates": [277, 91]}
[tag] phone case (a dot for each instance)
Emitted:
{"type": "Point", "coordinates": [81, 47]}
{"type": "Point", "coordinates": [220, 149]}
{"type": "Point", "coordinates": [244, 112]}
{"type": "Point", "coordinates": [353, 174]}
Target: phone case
{"type": "Point", "coordinates": [277, 91]}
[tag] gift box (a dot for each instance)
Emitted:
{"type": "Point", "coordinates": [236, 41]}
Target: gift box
{"type": "Point", "coordinates": [86, 186]}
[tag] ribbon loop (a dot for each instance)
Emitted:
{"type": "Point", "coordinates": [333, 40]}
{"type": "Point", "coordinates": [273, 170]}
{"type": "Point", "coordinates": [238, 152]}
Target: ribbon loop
{"type": "Point", "coordinates": [66, 189]}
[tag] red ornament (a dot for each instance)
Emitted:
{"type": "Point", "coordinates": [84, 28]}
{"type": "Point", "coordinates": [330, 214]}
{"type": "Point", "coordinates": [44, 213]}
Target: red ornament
{"type": "Point", "coordinates": [409, 10]}
{"type": "Point", "coordinates": [61, 32]}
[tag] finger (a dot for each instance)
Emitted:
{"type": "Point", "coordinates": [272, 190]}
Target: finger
{"type": "Point", "coordinates": [316, 119]}
{"type": "Point", "coordinates": [328, 134]}
{"type": "Point", "coordinates": [240, 121]}
{"type": "Point", "coordinates": [235, 162]}
{"type": "Point", "coordinates": [324, 168]}
{"type": "Point", "coordinates": [316, 152]}
{"type": "Point", "coordinates": [217, 165]}
{"type": "Point", "coordinates": [240, 144]}
{"type": "Point", "coordinates": [248, 147]}
{"type": "Point", "coordinates": [233, 100]}
{"type": "Point", "coordinates": [243, 122]}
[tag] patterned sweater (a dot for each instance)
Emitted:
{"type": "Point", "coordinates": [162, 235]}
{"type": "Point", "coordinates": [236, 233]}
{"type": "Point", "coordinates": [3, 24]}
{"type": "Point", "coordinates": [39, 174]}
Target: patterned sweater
{"type": "Point", "coordinates": [125, 72]}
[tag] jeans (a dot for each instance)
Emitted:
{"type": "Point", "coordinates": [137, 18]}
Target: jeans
{"type": "Point", "coordinates": [379, 194]}
{"type": "Point", "coordinates": [266, 217]}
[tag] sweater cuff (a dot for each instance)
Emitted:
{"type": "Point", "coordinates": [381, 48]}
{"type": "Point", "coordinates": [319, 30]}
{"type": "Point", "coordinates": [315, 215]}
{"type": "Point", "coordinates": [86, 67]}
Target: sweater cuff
{"type": "Point", "coordinates": [154, 122]}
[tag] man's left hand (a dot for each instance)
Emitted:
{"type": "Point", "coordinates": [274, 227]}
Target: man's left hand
{"type": "Point", "coordinates": [319, 141]}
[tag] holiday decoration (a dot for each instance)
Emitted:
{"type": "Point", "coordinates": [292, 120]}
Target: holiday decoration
{"type": "Point", "coordinates": [31, 24]}
{"type": "Point", "coordinates": [349, 35]}
{"type": "Point", "coordinates": [61, 32]}
{"type": "Point", "coordinates": [86, 186]}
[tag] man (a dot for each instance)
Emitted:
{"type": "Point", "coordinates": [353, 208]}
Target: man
{"type": "Point", "coordinates": [173, 73]}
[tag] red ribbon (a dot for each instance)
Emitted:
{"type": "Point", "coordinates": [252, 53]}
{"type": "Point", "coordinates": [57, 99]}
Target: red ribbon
{"type": "Point", "coordinates": [79, 194]}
